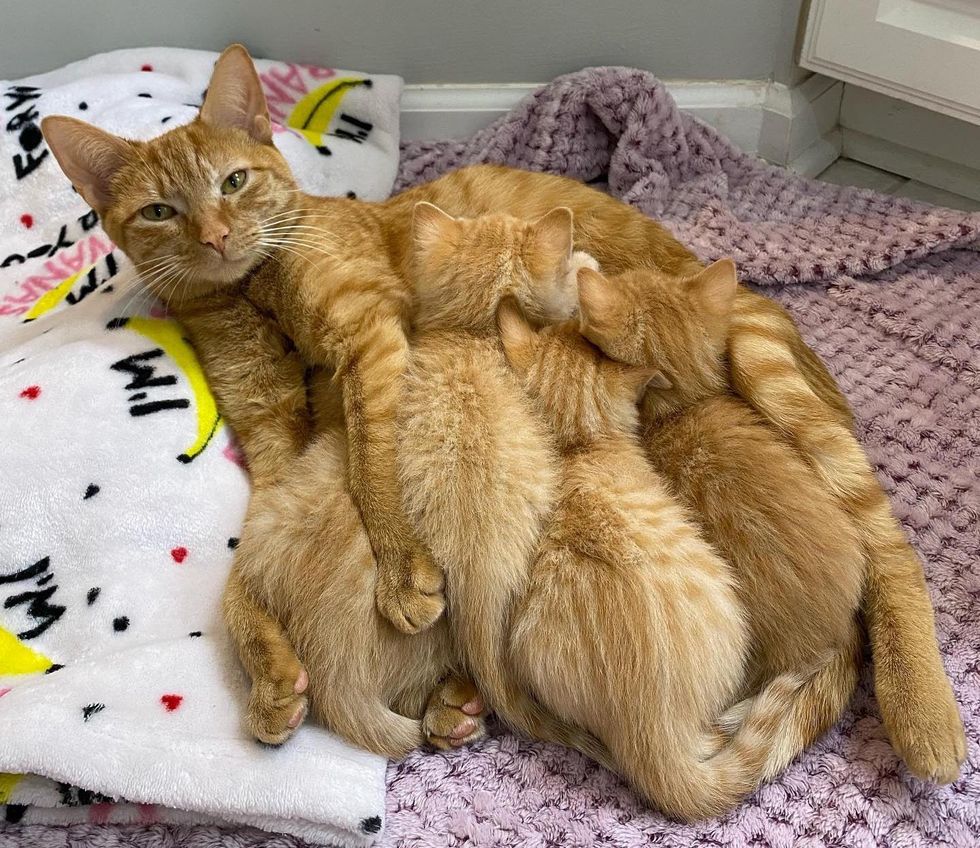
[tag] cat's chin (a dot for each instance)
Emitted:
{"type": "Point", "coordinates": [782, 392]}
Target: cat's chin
{"type": "Point", "coordinates": [228, 271]}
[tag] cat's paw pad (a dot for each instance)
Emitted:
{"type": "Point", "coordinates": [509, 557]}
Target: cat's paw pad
{"type": "Point", "coordinates": [409, 592]}
{"type": "Point", "coordinates": [278, 704]}
{"type": "Point", "coordinates": [454, 715]}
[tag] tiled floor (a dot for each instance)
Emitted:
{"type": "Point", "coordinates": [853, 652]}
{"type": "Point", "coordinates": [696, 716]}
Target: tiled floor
{"type": "Point", "coordinates": [849, 172]}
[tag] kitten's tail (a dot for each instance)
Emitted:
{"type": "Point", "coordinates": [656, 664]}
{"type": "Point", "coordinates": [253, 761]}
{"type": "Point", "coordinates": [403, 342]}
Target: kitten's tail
{"type": "Point", "coordinates": [770, 729]}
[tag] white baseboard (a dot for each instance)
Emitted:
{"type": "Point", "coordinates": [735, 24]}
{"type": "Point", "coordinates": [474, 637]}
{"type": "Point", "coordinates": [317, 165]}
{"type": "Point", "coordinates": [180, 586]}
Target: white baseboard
{"type": "Point", "coordinates": [792, 127]}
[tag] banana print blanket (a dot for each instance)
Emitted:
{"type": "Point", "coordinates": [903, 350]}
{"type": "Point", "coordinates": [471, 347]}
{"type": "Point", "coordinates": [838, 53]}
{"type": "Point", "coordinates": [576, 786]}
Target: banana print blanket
{"type": "Point", "coordinates": [121, 492]}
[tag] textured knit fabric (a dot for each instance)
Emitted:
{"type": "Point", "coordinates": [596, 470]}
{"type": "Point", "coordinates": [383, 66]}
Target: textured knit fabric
{"type": "Point", "coordinates": [887, 291]}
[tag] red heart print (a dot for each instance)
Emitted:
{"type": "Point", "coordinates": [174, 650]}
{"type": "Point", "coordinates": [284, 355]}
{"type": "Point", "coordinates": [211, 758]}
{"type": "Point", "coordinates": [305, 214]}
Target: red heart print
{"type": "Point", "coordinates": [171, 702]}
{"type": "Point", "coordinates": [31, 392]}
{"type": "Point", "coordinates": [179, 554]}
{"type": "Point", "coordinates": [27, 220]}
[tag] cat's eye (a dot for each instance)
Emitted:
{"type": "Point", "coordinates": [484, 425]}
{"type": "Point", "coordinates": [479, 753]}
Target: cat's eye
{"type": "Point", "coordinates": [158, 212]}
{"type": "Point", "coordinates": [233, 182]}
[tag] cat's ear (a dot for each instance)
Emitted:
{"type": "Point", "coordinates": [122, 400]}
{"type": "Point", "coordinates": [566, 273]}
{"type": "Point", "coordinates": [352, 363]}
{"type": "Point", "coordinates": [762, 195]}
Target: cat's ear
{"type": "Point", "coordinates": [641, 379]}
{"type": "Point", "coordinates": [90, 157]}
{"type": "Point", "coordinates": [553, 232]}
{"type": "Point", "coordinates": [235, 98]}
{"type": "Point", "coordinates": [431, 226]}
{"type": "Point", "coordinates": [715, 287]}
{"type": "Point", "coordinates": [601, 308]}
{"type": "Point", "coordinates": [516, 334]}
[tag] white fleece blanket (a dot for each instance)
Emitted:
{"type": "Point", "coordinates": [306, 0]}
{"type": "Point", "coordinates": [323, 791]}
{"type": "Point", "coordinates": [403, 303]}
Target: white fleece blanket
{"type": "Point", "coordinates": [121, 493]}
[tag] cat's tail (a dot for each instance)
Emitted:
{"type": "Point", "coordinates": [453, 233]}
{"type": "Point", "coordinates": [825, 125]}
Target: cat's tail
{"type": "Point", "coordinates": [755, 740]}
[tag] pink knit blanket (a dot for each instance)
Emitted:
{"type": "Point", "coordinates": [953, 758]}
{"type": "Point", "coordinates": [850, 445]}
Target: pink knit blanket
{"type": "Point", "coordinates": [887, 291]}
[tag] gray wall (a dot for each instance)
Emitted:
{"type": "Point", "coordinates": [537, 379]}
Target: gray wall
{"type": "Point", "coordinates": [424, 40]}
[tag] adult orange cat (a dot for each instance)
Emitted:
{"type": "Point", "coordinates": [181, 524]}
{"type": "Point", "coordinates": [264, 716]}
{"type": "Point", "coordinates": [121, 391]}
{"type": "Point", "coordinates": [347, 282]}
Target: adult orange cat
{"type": "Point", "coordinates": [245, 267]}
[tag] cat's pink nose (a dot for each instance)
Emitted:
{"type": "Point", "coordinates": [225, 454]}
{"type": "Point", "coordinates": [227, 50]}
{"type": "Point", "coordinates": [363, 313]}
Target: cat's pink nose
{"type": "Point", "coordinates": [216, 237]}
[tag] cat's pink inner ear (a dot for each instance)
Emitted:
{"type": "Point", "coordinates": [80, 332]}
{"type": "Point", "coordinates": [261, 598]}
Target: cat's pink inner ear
{"type": "Point", "coordinates": [716, 285]}
{"type": "Point", "coordinates": [553, 231]}
{"type": "Point", "coordinates": [235, 97]}
{"type": "Point", "coordinates": [89, 157]}
{"type": "Point", "coordinates": [516, 334]}
{"type": "Point", "coordinates": [430, 225]}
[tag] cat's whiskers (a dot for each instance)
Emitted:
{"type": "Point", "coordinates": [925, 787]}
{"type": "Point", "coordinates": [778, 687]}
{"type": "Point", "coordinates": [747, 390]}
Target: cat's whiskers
{"type": "Point", "coordinates": [298, 246]}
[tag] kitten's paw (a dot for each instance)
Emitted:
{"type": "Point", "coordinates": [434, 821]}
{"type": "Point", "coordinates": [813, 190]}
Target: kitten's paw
{"type": "Point", "coordinates": [454, 715]}
{"type": "Point", "coordinates": [928, 732]}
{"type": "Point", "coordinates": [409, 591]}
{"type": "Point", "coordinates": [277, 705]}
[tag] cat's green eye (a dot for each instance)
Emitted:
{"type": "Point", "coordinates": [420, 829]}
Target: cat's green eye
{"type": "Point", "coordinates": [158, 212]}
{"type": "Point", "coordinates": [233, 182]}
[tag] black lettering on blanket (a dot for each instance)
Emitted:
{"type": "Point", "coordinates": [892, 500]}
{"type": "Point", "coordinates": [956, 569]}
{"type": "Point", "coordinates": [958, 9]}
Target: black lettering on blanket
{"type": "Point", "coordinates": [19, 104]}
{"type": "Point", "coordinates": [87, 222]}
{"type": "Point", "coordinates": [143, 372]}
{"type": "Point", "coordinates": [38, 600]}
{"type": "Point", "coordinates": [356, 129]}
{"type": "Point", "coordinates": [75, 796]}
{"type": "Point", "coordinates": [94, 279]}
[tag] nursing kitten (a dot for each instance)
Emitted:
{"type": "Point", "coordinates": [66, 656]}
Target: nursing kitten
{"type": "Point", "coordinates": [796, 554]}
{"type": "Point", "coordinates": [631, 625]}
{"type": "Point", "coordinates": [275, 238]}
{"type": "Point", "coordinates": [477, 469]}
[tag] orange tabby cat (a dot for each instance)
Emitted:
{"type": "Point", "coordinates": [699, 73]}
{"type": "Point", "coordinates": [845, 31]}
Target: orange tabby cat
{"type": "Point", "coordinates": [796, 554]}
{"type": "Point", "coordinates": [631, 626]}
{"type": "Point", "coordinates": [244, 267]}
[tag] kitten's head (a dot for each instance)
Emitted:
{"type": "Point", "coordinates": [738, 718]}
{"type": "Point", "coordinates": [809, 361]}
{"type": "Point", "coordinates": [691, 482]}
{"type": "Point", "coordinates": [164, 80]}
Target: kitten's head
{"type": "Point", "coordinates": [462, 267]}
{"type": "Point", "coordinates": [677, 327]}
{"type": "Point", "coordinates": [197, 207]}
{"type": "Point", "coordinates": [580, 392]}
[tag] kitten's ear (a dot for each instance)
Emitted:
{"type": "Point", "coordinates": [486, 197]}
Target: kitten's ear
{"type": "Point", "coordinates": [431, 226]}
{"type": "Point", "coordinates": [235, 97]}
{"type": "Point", "coordinates": [601, 307]}
{"type": "Point", "coordinates": [88, 156]}
{"type": "Point", "coordinates": [553, 232]}
{"type": "Point", "coordinates": [517, 335]}
{"type": "Point", "coordinates": [715, 287]}
{"type": "Point", "coordinates": [641, 379]}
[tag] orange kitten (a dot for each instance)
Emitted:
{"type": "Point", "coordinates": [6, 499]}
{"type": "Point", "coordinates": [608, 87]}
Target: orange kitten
{"type": "Point", "coordinates": [796, 554]}
{"type": "Point", "coordinates": [477, 469]}
{"type": "Point", "coordinates": [631, 626]}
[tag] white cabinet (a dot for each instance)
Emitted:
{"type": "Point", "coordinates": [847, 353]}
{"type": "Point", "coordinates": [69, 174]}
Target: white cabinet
{"type": "Point", "coordinates": [922, 51]}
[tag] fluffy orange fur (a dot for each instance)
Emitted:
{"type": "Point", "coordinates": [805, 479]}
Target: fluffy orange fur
{"type": "Point", "coordinates": [477, 469]}
{"type": "Point", "coordinates": [631, 626]}
{"type": "Point", "coordinates": [796, 554]}
{"type": "Point", "coordinates": [269, 281]}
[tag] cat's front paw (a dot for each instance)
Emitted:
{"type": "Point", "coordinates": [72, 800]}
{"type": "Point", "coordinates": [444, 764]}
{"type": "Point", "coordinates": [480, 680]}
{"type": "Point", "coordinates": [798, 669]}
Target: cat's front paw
{"type": "Point", "coordinates": [454, 715]}
{"type": "Point", "coordinates": [277, 705]}
{"type": "Point", "coordinates": [409, 592]}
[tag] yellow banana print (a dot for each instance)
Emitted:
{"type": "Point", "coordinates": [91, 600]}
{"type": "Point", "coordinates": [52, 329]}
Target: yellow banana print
{"type": "Point", "coordinates": [17, 658]}
{"type": "Point", "coordinates": [313, 114]}
{"type": "Point", "coordinates": [167, 335]}
{"type": "Point", "coordinates": [50, 299]}
{"type": "Point", "coordinates": [8, 783]}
